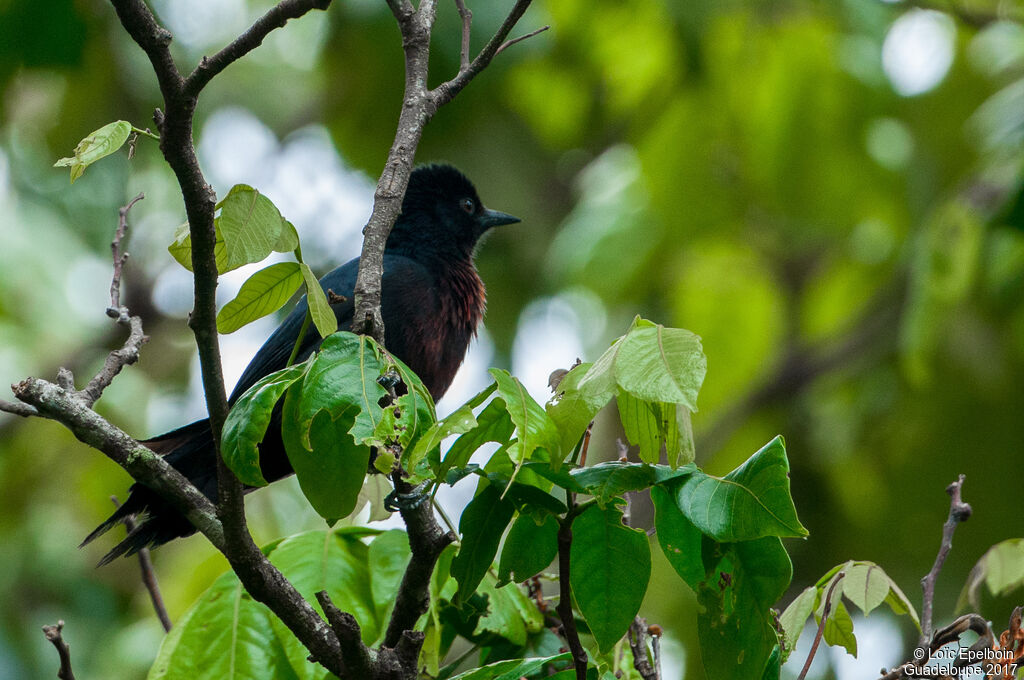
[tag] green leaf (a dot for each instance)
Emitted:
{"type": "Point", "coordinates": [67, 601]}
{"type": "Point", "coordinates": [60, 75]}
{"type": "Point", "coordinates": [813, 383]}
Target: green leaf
{"type": "Point", "coordinates": [247, 422]}
{"type": "Point", "coordinates": [750, 502]}
{"type": "Point", "coordinates": [342, 379]}
{"type": "Point", "coordinates": [99, 144]}
{"type": "Point", "coordinates": [288, 240]}
{"type": "Point", "coordinates": [605, 481]}
{"type": "Point", "coordinates": [866, 585]}
{"type": "Point", "coordinates": [510, 613]}
{"type": "Point", "coordinates": [839, 628]}
{"type": "Point", "coordinates": [795, 617]}
{"type": "Point", "coordinates": [1000, 570]}
{"type": "Point", "coordinates": [655, 363]}
{"type": "Point", "coordinates": [572, 409]}
{"type": "Point", "coordinates": [181, 247]}
{"type": "Point", "coordinates": [653, 425]}
{"type": "Point", "coordinates": [610, 568]}
{"type": "Point", "coordinates": [534, 428]}
{"type": "Point", "coordinates": [735, 628]}
{"type": "Point", "coordinates": [513, 669]}
{"type": "Point", "coordinates": [330, 467]}
{"type": "Point", "coordinates": [262, 293]}
{"type": "Point", "coordinates": [323, 316]}
{"type": "Point", "coordinates": [651, 362]}
{"type": "Point", "coordinates": [248, 229]}
{"type": "Point", "coordinates": [529, 548]}
{"type": "Point", "coordinates": [251, 225]}
{"type": "Point", "coordinates": [481, 526]}
{"type": "Point", "coordinates": [461, 420]}
{"type": "Point", "coordinates": [387, 559]}
{"type": "Point", "coordinates": [227, 634]}
{"type": "Point", "coordinates": [493, 425]}
{"type": "Point", "coordinates": [680, 540]}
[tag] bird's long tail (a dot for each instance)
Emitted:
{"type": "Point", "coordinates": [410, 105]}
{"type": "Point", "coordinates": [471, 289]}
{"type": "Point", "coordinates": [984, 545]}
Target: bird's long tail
{"type": "Point", "coordinates": [190, 451]}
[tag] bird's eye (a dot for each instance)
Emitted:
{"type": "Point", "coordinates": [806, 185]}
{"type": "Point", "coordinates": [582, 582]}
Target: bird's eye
{"type": "Point", "coordinates": [468, 205]}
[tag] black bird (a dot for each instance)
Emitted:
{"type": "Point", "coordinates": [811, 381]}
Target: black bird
{"type": "Point", "coordinates": [432, 301]}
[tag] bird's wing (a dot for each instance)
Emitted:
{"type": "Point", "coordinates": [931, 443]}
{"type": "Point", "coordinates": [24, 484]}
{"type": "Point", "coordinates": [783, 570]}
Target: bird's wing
{"type": "Point", "coordinates": [274, 353]}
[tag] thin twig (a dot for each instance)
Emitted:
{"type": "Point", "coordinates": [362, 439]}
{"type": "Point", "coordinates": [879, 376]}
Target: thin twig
{"type": "Point", "coordinates": [564, 608]}
{"type": "Point", "coordinates": [53, 634]}
{"type": "Point", "coordinates": [148, 574]}
{"type": "Point", "coordinates": [115, 310]}
{"type": "Point", "coordinates": [821, 625]}
{"type": "Point", "coordinates": [115, 361]}
{"type": "Point", "coordinates": [509, 43]}
{"type": "Point", "coordinates": [18, 409]}
{"type": "Point", "coordinates": [427, 540]}
{"type": "Point", "coordinates": [637, 638]}
{"type": "Point", "coordinates": [418, 106]}
{"type": "Point", "coordinates": [276, 17]}
{"type": "Point", "coordinates": [958, 512]}
{"type": "Point", "coordinates": [467, 20]}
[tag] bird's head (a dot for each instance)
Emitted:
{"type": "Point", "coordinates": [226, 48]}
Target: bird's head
{"type": "Point", "coordinates": [442, 214]}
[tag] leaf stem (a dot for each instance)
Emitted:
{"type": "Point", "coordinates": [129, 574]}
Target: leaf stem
{"type": "Point", "coordinates": [298, 340]}
{"type": "Point", "coordinates": [146, 132]}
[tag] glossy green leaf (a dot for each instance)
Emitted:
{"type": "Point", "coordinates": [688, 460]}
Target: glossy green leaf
{"type": "Point", "coordinates": [679, 539]}
{"type": "Point", "coordinates": [99, 144]}
{"type": "Point", "coordinates": [750, 502]}
{"type": "Point", "coordinates": [529, 548]}
{"type": "Point", "coordinates": [481, 526]}
{"type": "Point", "coordinates": [461, 420]}
{"type": "Point", "coordinates": [509, 614]}
{"type": "Point", "coordinates": [513, 669]}
{"type": "Point", "coordinates": [743, 580]}
{"type": "Point", "coordinates": [534, 428]}
{"type": "Point", "coordinates": [262, 293]}
{"type": "Point", "coordinates": [493, 425]}
{"type": "Point", "coordinates": [605, 481]}
{"type": "Point", "coordinates": [609, 570]}
{"type": "Point", "coordinates": [387, 559]}
{"type": "Point", "coordinates": [227, 634]}
{"type": "Point", "coordinates": [329, 465]}
{"type": "Point", "coordinates": [247, 423]}
{"type": "Point", "coordinates": [323, 316]}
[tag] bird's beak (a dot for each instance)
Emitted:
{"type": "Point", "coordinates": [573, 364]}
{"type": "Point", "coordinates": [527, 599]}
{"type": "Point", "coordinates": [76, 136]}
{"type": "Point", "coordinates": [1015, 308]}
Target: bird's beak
{"type": "Point", "coordinates": [495, 218]}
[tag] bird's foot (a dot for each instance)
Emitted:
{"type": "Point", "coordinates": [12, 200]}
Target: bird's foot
{"type": "Point", "coordinates": [396, 501]}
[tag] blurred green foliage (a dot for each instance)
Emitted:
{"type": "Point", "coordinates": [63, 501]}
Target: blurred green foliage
{"type": "Point", "coordinates": [852, 258]}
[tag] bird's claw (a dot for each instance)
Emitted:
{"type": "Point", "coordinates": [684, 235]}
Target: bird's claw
{"type": "Point", "coordinates": [396, 501]}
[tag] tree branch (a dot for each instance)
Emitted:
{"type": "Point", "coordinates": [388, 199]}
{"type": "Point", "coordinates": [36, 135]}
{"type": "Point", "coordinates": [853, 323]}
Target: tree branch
{"type": "Point", "coordinates": [637, 638]}
{"type": "Point", "coordinates": [564, 608]}
{"type": "Point", "coordinates": [418, 106]}
{"type": "Point", "coordinates": [145, 466]}
{"type": "Point", "coordinates": [116, 310]}
{"type": "Point", "coordinates": [53, 634]}
{"type": "Point", "coordinates": [821, 625]}
{"type": "Point", "coordinates": [276, 17]}
{"type": "Point", "coordinates": [958, 512]}
{"type": "Point", "coordinates": [427, 540]}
